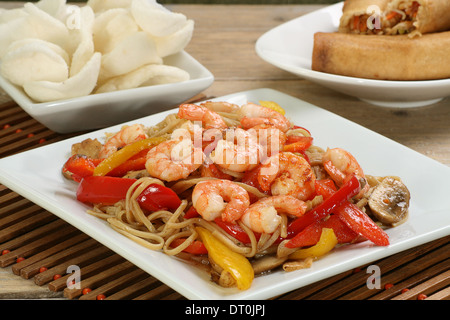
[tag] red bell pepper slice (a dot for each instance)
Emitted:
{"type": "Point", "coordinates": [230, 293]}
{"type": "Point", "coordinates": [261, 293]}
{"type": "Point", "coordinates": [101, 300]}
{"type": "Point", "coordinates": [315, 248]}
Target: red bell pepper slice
{"type": "Point", "coordinates": [232, 229]}
{"type": "Point", "coordinates": [109, 190]}
{"type": "Point", "coordinates": [235, 231]}
{"type": "Point", "coordinates": [342, 232]}
{"type": "Point", "coordinates": [80, 166]}
{"type": "Point", "coordinates": [251, 178]}
{"type": "Point", "coordinates": [361, 223]}
{"type": "Point", "coordinates": [348, 190]}
{"type": "Point", "coordinates": [211, 170]}
{"type": "Point", "coordinates": [157, 197]}
{"type": "Point", "coordinates": [325, 188]}
{"type": "Point", "coordinates": [303, 128]}
{"type": "Point", "coordinates": [103, 189]}
{"type": "Point", "coordinates": [311, 234]}
{"type": "Point", "coordinates": [354, 218]}
{"type": "Point", "coordinates": [197, 247]}
{"type": "Point", "coordinates": [135, 163]}
{"type": "Point", "coordinates": [298, 144]}
{"type": "Point", "coordinates": [191, 213]}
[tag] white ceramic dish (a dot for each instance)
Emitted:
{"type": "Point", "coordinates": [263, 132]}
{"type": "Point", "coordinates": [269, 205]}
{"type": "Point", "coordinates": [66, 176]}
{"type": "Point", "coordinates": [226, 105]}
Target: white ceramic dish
{"type": "Point", "coordinates": [106, 109]}
{"type": "Point", "coordinates": [289, 47]}
{"type": "Point", "coordinates": [36, 174]}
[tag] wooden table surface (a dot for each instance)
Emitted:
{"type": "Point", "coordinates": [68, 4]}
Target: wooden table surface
{"type": "Point", "coordinates": [224, 41]}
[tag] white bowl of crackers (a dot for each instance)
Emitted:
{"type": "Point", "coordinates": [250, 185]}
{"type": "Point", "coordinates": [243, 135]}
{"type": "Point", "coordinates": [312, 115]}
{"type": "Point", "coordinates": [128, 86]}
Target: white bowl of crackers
{"type": "Point", "coordinates": [76, 68]}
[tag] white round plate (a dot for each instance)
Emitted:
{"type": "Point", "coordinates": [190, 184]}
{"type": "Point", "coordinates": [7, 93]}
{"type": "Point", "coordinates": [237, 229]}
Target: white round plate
{"type": "Point", "coordinates": [289, 47]}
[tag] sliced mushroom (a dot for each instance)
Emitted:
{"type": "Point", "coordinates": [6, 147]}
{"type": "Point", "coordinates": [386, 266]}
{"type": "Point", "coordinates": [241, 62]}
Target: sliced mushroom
{"type": "Point", "coordinates": [389, 202]}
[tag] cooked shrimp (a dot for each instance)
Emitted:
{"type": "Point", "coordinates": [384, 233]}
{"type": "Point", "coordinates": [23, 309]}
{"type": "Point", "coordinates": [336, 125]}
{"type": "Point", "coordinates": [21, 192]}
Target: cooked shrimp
{"type": "Point", "coordinates": [253, 114]}
{"type": "Point", "coordinates": [239, 152]}
{"type": "Point", "coordinates": [221, 106]}
{"type": "Point", "coordinates": [340, 164]}
{"type": "Point", "coordinates": [127, 135]}
{"type": "Point", "coordinates": [173, 160]}
{"type": "Point", "coordinates": [262, 216]}
{"type": "Point", "coordinates": [209, 118]}
{"type": "Point", "coordinates": [220, 198]}
{"type": "Point", "coordinates": [287, 174]}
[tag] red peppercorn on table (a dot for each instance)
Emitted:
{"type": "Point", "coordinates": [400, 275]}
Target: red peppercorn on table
{"type": "Point", "coordinates": [34, 259]}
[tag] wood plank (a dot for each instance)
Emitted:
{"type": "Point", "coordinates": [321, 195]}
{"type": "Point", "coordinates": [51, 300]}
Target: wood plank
{"type": "Point", "coordinates": [428, 287]}
{"type": "Point", "coordinates": [59, 257]}
{"type": "Point", "coordinates": [98, 280]}
{"type": "Point", "coordinates": [88, 271]}
{"type": "Point", "coordinates": [80, 260]}
{"type": "Point", "coordinates": [117, 284]}
{"type": "Point", "coordinates": [394, 274]}
{"type": "Point", "coordinates": [40, 218]}
{"type": "Point", "coordinates": [159, 293]}
{"type": "Point", "coordinates": [352, 283]}
{"type": "Point", "coordinates": [30, 267]}
{"type": "Point", "coordinates": [408, 283]}
{"type": "Point", "coordinates": [135, 289]}
{"type": "Point", "coordinates": [36, 246]}
{"type": "Point", "coordinates": [440, 295]}
{"type": "Point", "coordinates": [16, 206]}
{"type": "Point", "coordinates": [18, 216]}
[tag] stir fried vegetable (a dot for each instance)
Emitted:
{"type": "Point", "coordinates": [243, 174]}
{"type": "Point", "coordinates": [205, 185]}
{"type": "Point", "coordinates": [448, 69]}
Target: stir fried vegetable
{"type": "Point", "coordinates": [360, 222]}
{"type": "Point", "coordinates": [345, 193]}
{"type": "Point", "coordinates": [109, 190]}
{"type": "Point", "coordinates": [233, 217]}
{"type": "Point", "coordinates": [236, 264]}
{"type": "Point", "coordinates": [326, 243]}
{"type": "Point", "coordinates": [311, 234]}
{"type": "Point", "coordinates": [122, 155]}
{"type": "Point", "coordinates": [104, 190]}
{"type": "Point", "coordinates": [79, 167]}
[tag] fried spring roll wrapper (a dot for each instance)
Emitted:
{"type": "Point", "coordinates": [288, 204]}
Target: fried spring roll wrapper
{"type": "Point", "coordinates": [360, 10]}
{"type": "Point", "coordinates": [430, 16]}
{"type": "Point", "coordinates": [383, 57]}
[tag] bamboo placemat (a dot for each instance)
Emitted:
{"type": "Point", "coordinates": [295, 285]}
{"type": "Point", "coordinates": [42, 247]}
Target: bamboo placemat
{"type": "Point", "coordinates": [48, 245]}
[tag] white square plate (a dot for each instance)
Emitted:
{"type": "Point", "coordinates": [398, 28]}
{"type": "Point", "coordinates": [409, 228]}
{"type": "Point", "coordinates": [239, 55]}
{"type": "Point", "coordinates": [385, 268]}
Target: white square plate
{"type": "Point", "coordinates": [106, 109]}
{"type": "Point", "coordinates": [289, 47]}
{"type": "Point", "coordinates": [36, 175]}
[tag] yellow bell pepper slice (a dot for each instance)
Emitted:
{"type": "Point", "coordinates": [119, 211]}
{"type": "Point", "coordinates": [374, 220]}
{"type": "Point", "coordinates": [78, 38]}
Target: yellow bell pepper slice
{"type": "Point", "coordinates": [326, 243]}
{"type": "Point", "coordinates": [122, 155]}
{"type": "Point", "coordinates": [273, 105]}
{"type": "Point", "coordinates": [236, 264]}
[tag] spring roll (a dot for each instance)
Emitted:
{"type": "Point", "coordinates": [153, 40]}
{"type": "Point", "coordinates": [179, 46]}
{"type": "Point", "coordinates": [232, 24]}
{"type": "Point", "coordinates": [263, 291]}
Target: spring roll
{"type": "Point", "coordinates": [383, 57]}
{"type": "Point", "coordinates": [356, 13]}
{"type": "Point", "coordinates": [416, 17]}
